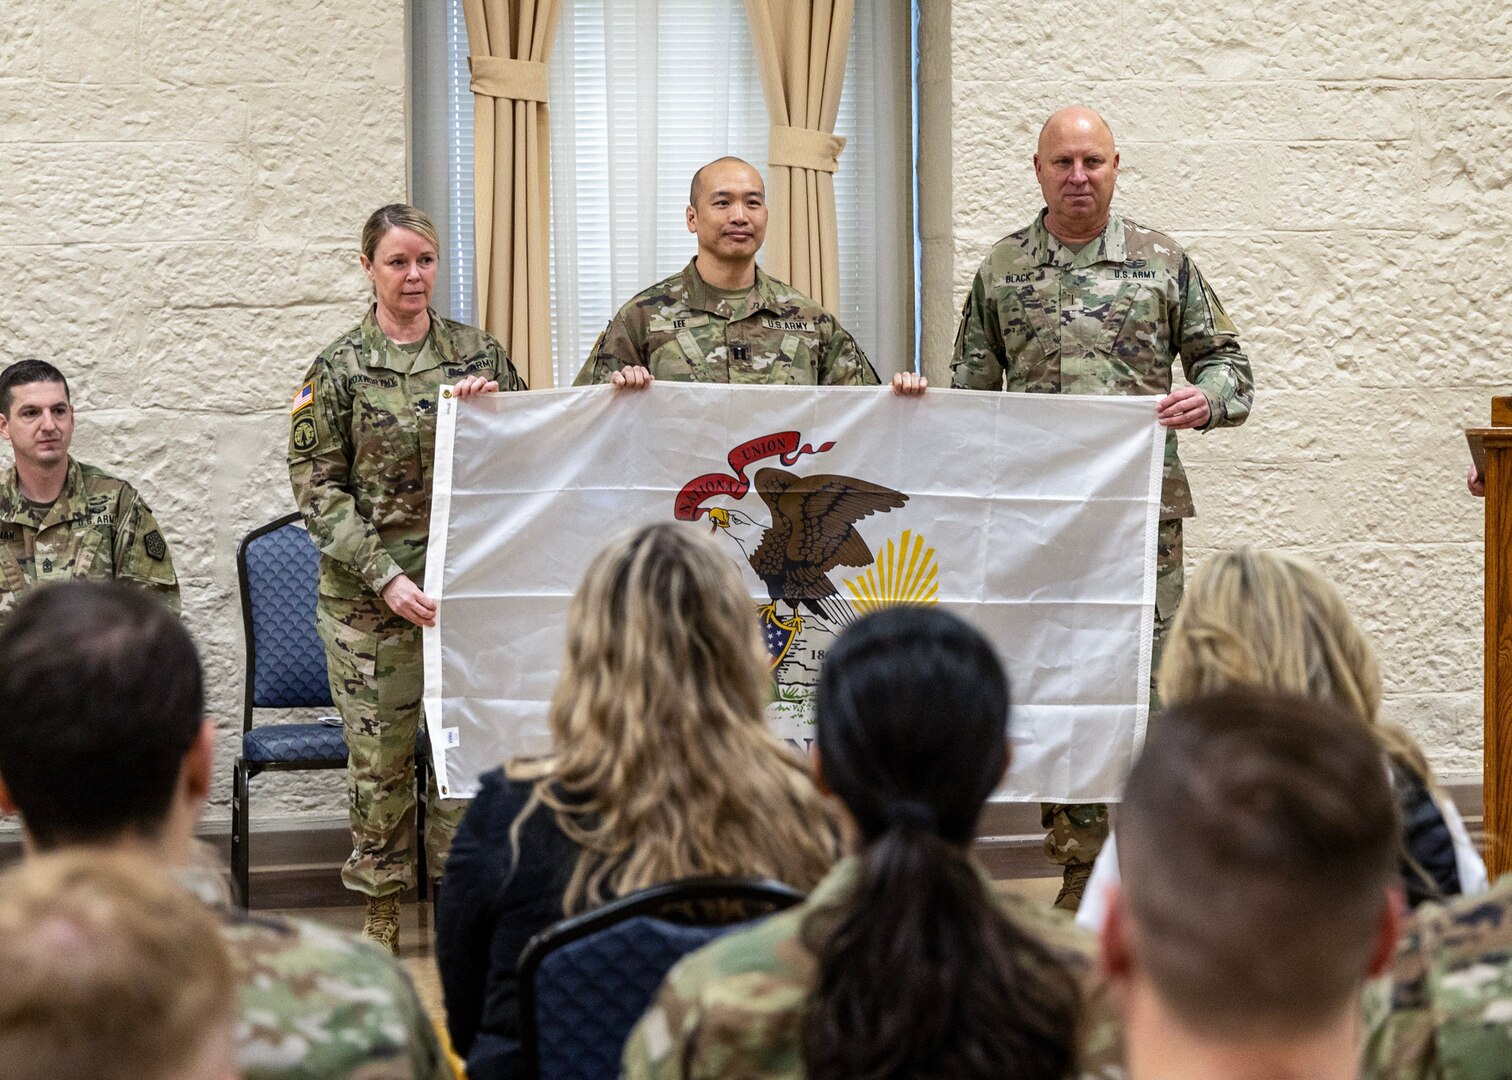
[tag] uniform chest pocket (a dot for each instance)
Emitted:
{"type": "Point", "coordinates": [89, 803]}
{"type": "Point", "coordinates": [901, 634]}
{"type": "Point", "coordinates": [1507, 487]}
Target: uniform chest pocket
{"type": "Point", "coordinates": [12, 552]}
{"type": "Point", "coordinates": [425, 425]}
{"type": "Point", "coordinates": [384, 425]}
{"type": "Point", "coordinates": [796, 361]}
{"type": "Point", "coordinates": [1029, 318]}
{"type": "Point", "coordinates": [74, 550]}
{"type": "Point", "coordinates": [1116, 316]}
{"type": "Point", "coordinates": [1134, 340]}
{"type": "Point", "coordinates": [96, 550]}
{"type": "Point", "coordinates": [678, 347]}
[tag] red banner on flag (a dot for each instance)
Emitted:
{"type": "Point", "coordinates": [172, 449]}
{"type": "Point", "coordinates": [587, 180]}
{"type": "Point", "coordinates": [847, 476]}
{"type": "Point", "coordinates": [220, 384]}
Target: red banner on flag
{"type": "Point", "coordinates": [783, 445]}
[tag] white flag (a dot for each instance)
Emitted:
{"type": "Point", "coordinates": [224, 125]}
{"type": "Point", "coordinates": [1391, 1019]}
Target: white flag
{"type": "Point", "coordinates": [1033, 516]}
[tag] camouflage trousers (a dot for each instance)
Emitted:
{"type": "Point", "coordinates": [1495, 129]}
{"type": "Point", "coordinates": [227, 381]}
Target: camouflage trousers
{"type": "Point", "coordinates": [373, 663]}
{"type": "Point", "coordinates": [1077, 830]}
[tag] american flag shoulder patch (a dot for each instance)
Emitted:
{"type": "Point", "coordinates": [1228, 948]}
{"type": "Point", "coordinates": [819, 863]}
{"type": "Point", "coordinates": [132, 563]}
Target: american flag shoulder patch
{"type": "Point", "coordinates": [304, 397]}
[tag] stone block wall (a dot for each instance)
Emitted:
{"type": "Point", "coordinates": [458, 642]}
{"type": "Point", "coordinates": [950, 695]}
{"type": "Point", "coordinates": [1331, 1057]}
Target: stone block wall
{"type": "Point", "coordinates": [183, 186]}
{"type": "Point", "coordinates": [1339, 172]}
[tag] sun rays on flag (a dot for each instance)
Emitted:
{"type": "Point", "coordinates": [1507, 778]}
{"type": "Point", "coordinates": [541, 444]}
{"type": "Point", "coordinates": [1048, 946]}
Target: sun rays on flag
{"type": "Point", "coordinates": [905, 572]}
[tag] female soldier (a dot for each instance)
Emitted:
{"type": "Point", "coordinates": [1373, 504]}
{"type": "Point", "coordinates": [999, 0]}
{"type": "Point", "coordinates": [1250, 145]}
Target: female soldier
{"type": "Point", "coordinates": [361, 440]}
{"type": "Point", "coordinates": [903, 961]}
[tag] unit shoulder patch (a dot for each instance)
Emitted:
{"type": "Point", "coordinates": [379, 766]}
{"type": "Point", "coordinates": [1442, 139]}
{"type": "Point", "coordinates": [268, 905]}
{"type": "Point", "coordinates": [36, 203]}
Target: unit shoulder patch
{"type": "Point", "coordinates": [302, 438]}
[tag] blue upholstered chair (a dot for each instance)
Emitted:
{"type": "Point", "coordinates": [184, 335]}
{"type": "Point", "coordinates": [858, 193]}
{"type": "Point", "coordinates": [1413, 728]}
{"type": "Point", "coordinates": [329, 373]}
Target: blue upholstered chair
{"type": "Point", "coordinates": [585, 981]}
{"type": "Point", "coordinates": [286, 669]}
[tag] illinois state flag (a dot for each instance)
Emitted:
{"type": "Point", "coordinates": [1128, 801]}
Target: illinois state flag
{"type": "Point", "coordinates": [1033, 516]}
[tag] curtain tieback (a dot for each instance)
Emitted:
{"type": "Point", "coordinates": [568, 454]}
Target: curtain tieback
{"type": "Point", "coordinates": [501, 77]}
{"type": "Point", "coordinates": [804, 148]}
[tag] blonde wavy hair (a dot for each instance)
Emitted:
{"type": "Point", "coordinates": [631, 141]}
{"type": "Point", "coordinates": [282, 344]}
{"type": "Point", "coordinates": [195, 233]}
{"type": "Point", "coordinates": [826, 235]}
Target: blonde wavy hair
{"type": "Point", "coordinates": [1269, 619]}
{"type": "Point", "coordinates": [663, 766]}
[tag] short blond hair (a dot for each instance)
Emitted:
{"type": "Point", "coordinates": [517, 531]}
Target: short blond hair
{"type": "Point", "coordinates": [111, 971]}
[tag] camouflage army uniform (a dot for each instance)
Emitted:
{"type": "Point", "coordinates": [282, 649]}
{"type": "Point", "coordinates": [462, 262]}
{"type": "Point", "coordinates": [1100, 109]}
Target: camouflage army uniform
{"type": "Point", "coordinates": [1445, 1010]}
{"type": "Point", "coordinates": [1110, 318]}
{"type": "Point", "coordinates": [98, 528]}
{"type": "Point", "coordinates": [361, 439]}
{"type": "Point", "coordinates": [735, 1008]}
{"type": "Point", "coordinates": [316, 1004]}
{"type": "Point", "coordinates": [683, 329]}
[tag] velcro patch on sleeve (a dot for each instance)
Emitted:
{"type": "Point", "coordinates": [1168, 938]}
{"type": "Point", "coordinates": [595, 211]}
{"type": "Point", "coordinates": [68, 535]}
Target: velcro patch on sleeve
{"type": "Point", "coordinates": [304, 397]}
{"type": "Point", "coordinates": [302, 438]}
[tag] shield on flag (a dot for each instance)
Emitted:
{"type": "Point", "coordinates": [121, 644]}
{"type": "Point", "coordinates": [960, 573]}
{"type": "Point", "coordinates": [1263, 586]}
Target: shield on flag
{"type": "Point", "coordinates": [778, 634]}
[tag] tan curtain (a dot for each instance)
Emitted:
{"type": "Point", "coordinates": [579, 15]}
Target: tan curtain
{"type": "Point", "coordinates": [510, 42]}
{"type": "Point", "coordinates": [800, 45]}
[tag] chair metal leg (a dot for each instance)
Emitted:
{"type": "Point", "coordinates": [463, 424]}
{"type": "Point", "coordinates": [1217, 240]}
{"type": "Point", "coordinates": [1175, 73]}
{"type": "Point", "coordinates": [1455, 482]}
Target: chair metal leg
{"type": "Point", "coordinates": [241, 861]}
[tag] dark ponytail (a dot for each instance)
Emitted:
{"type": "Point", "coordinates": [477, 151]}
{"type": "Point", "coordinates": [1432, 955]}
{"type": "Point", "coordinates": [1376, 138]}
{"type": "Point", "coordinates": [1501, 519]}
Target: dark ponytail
{"type": "Point", "coordinates": [920, 973]}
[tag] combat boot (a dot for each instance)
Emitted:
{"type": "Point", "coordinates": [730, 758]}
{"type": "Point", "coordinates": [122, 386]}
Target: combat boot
{"type": "Point", "coordinates": [1073, 884]}
{"type": "Point", "coordinates": [381, 924]}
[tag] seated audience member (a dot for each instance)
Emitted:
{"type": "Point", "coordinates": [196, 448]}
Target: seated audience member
{"type": "Point", "coordinates": [1445, 1011]}
{"type": "Point", "coordinates": [662, 768]}
{"type": "Point", "coordinates": [104, 744]}
{"type": "Point", "coordinates": [61, 520]}
{"type": "Point", "coordinates": [1270, 620]}
{"type": "Point", "coordinates": [903, 962]}
{"type": "Point", "coordinates": [1260, 890]}
{"type": "Point", "coordinates": [111, 972]}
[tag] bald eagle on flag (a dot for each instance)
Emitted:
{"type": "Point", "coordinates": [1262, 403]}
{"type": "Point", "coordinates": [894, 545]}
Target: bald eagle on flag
{"type": "Point", "coordinates": [813, 531]}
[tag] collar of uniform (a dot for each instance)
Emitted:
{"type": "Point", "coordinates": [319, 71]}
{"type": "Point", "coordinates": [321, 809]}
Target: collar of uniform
{"type": "Point", "coordinates": [842, 875]}
{"type": "Point", "coordinates": [205, 883]}
{"type": "Point", "coordinates": [69, 504]}
{"type": "Point", "coordinates": [383, 353]}
{"type": "Point", "coordinates": [702, 297]}
{"type": "Point", "coordinates": [834, 884]}
{"type": "Point", "coordinates": [1111, 246]}
{"type": "Point", "coordinates": [1051, 926]}
{"type": "Point", "coordinates": [72, 502]}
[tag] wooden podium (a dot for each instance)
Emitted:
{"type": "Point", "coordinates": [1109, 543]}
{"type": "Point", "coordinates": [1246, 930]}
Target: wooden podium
{"type": "Point", "coordinates": [1491, 449]}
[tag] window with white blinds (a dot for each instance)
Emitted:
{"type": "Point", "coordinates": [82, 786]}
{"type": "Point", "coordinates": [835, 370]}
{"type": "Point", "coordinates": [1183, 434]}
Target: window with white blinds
{"type": "Point", "coordinates": [643, 92]}
{"type": "Point", "coordinates": [462, 282]}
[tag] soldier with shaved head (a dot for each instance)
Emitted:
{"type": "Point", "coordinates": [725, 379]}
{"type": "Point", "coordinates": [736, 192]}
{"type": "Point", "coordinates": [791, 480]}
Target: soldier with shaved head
{"type": "Point", "coordinates": [1085, 301]}
{"type": "Point", "coordinates": [1260, 892]}
{"type": "Point", "coordinates": [721, 318]}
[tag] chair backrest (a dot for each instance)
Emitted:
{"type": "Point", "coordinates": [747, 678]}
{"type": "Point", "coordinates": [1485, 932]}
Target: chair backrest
{"type": "Point", "coordinates": [585, 981]}
{"type": "Point", "coordinates": [286, 667]}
